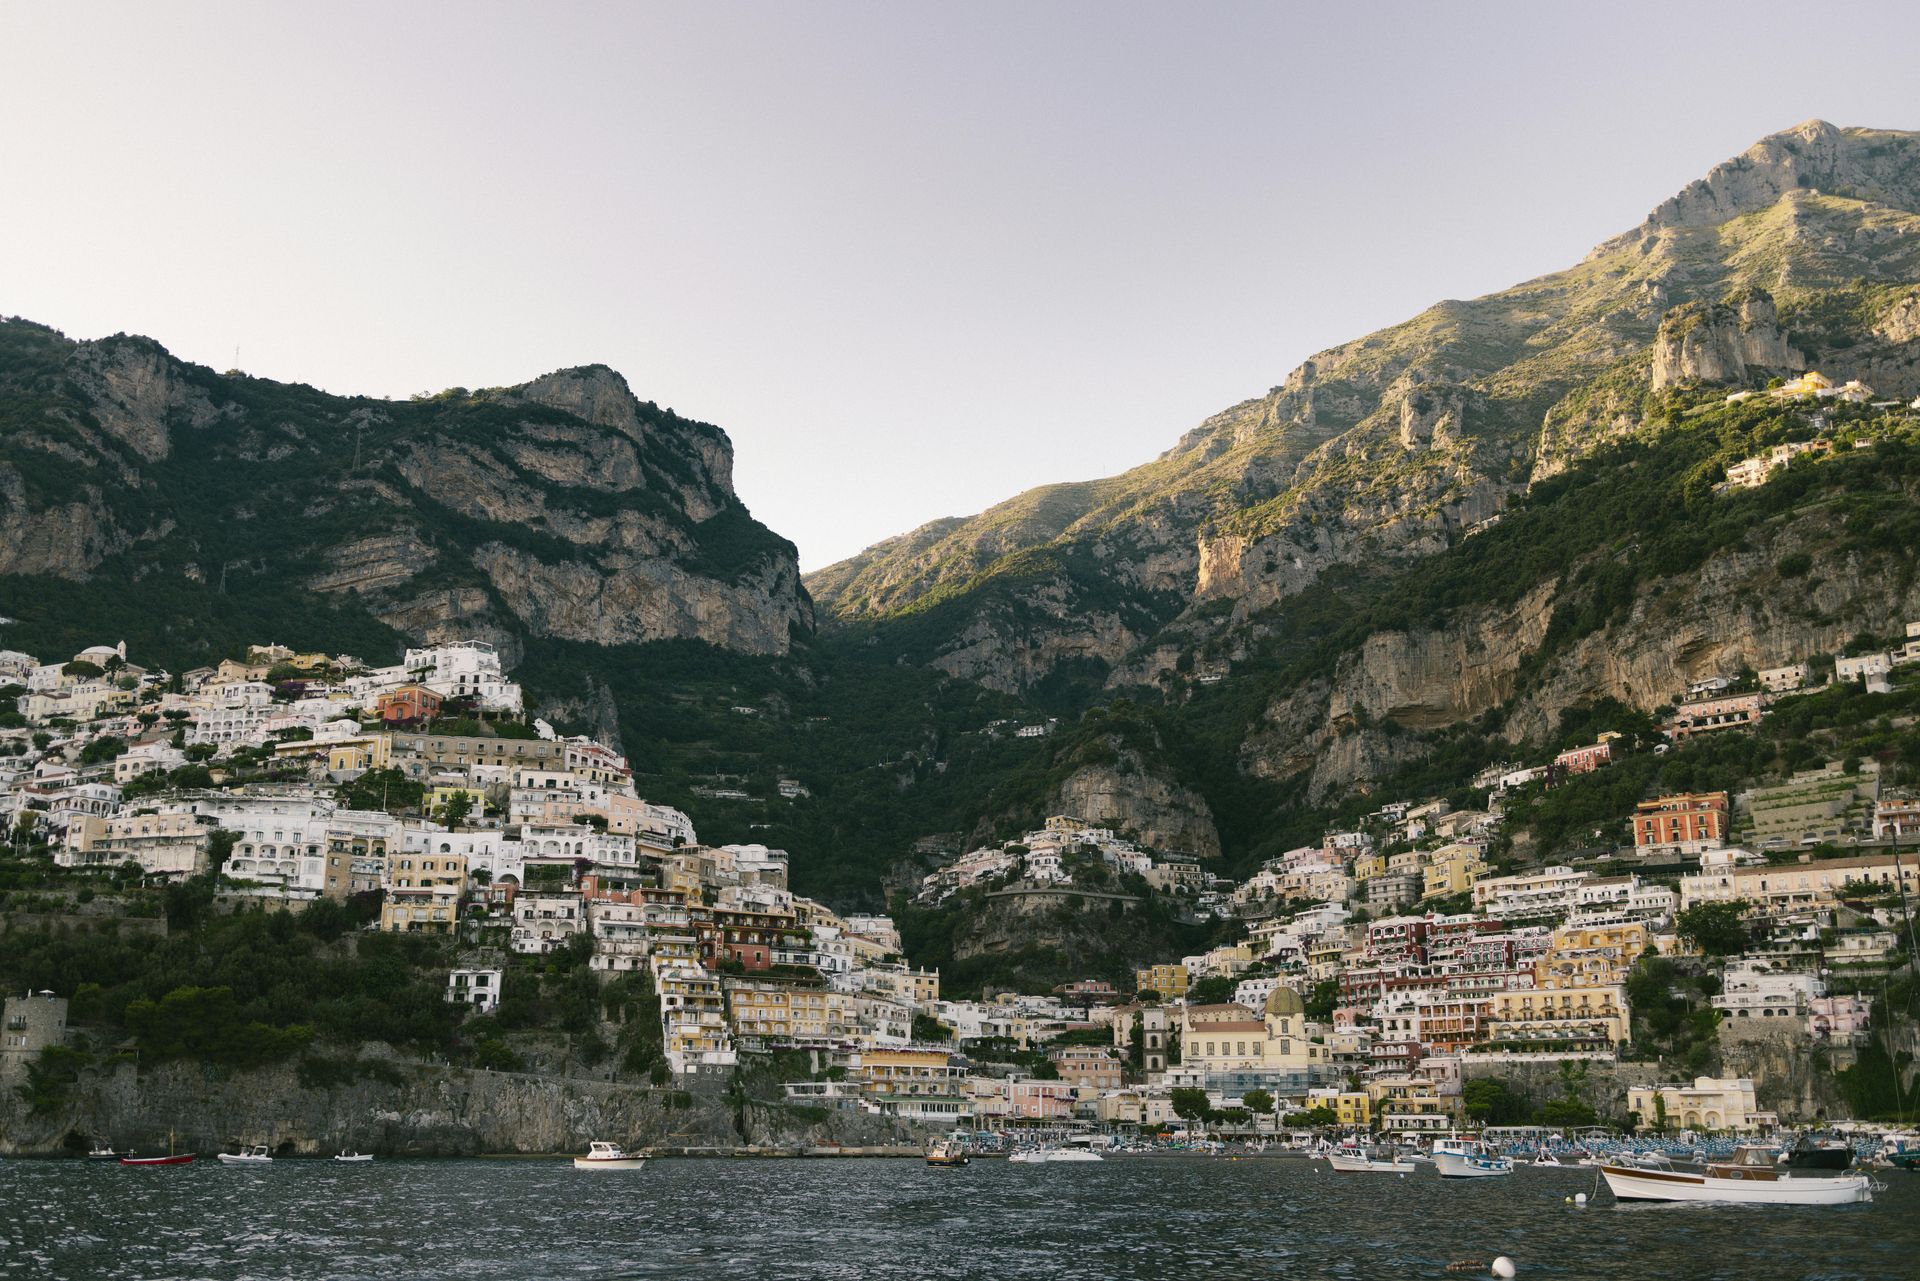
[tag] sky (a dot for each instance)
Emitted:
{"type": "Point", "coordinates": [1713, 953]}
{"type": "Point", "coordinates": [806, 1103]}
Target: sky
{"type": "Point", "coordinates": [913, 257]}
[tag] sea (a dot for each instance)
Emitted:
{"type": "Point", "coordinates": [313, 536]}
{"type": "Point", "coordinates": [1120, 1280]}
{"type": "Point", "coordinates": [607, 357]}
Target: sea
{"type": "Point", "coordinates": [1188, 1217]}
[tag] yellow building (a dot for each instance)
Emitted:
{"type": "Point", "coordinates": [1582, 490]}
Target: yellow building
{"type": "Point", "coordinates": [1592, 956]}
{"type": "Point", "coordinates": [927, 1084]}
{"type": "Point", "coordinates": [1354, 1108]}
{"type": "Point", "coordinates": [1232, 1038]}
{"type": "Point", "coordinates": [1710, 1103]}
{"type": "Point", "coordinates": [1409, 1103]}
{"type": "Point", "coordinates": [777, 1011]}
{"type": "Point", "coordinates": [1170, 981]}
{"type": "Point", "coordinates": [1576, 1019]}
{"type": "Point", "coordinates": [442, 793]}
{"type": "Point", "coordinates": [1451, 870]}
{"type": "Point", "coordinates": [423, 891]}
{"type": "Point", "coordinates": [1369, 865]}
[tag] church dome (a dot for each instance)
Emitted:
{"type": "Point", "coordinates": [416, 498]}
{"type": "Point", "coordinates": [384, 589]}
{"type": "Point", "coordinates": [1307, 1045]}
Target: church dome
{"type": "Point", "coordinates": [1285, 1001]}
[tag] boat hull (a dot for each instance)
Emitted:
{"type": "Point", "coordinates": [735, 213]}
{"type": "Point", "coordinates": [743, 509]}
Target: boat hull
{"type": "Point", "coordinates": [1628, 1184]}
{"type": "Point", "coordinates": [227, 1158]}
{"type": "Point", "coordinates": [1346, 1164]}
{"type": "Point", "coordinates": [157, 1160]}
{"type": "Point", "coordinates": [353, 1160]}
{"type": "Point", "coordinates": [613, 1163]}
{"type": "Point", "coordinates": [1455, 1165]}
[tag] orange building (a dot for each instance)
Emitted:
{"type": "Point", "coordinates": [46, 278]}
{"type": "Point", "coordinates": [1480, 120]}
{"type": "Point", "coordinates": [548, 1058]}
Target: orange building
{"type": "Point", "coordinates": [407, 704]}
{"type": "Point", "coordinates": [1690, 822]}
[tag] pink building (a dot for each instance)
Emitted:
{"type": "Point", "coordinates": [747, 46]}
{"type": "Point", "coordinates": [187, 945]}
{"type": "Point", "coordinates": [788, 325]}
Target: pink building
{"type": "Point", "coordinates": [1585, 760]}
{"type": "Point", "coordinates": [1706, 714]}
{"type": "Point", "coordinates": [1838, 1018]}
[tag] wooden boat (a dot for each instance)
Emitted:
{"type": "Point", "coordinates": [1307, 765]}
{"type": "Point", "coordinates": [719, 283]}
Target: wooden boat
{"type": "Point", "coordinates": [947, 1154]}
{"type": "Point", "coordinates": [170, 1158]}
{"type": "Point", "coordinates": [255, 1155]}
{"type": "Point", "coordinates": [1469, 1159]}
{"type": "Point", "coordinates": [608, 1156]}
{"type": "Point", "coordinates": [1751, 1176]}
{"type": "Point", "coordinates": [1352, 1158]}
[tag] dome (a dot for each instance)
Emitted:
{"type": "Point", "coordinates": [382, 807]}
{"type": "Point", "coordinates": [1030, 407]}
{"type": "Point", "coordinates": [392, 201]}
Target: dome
{"type": "Point", "coordinates": [1285, 1001]}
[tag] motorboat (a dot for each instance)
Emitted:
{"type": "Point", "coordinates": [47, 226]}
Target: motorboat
{"type": "Point", "coordinates": [351, 1155]}
{"type": "Point", "coordinates": [1751, 1176]}
{"type": "Point", "coordinates": [104, 1153]}
{"type": "Point", "coordinates": [1352, 1158]}
{"type": "Point", "coordinates": [1469, 1159]}
{"type": "Point", "coordinates": [947, 1154]}
{"type": "Point", "coordinates": [1049, 1156]}
{"type": "Point", "coordinates": [255, 1155]}
{"type": "Point", "coordinates": [185, 1158]}
{"type": "Point", "coordinates": [609, 1156]}
{"type": "Point", "coordinates": [1546, 1160]}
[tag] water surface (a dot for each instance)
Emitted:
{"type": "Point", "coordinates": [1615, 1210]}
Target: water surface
{"type": "Point", "coordinates": [771, 1220]}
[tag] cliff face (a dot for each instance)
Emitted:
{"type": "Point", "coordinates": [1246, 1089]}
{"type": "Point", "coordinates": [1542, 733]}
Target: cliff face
{"type": "Point", "coordinates": [411, 1109]}
{"type": "Point", "coordinates": [1130, 796]}
{"type": "Point", "coordinates": [564, 507]}
{"type": "Point", "coordinates": [1803, 250]}
{"type": "Point", "coordinates": [1732, 613]}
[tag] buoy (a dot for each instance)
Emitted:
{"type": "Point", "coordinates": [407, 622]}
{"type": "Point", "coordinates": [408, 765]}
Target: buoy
{"type": "Point", "coordinates": [1580, 1198]}
{"type": "Point", "coordinates": [1503, 1267]}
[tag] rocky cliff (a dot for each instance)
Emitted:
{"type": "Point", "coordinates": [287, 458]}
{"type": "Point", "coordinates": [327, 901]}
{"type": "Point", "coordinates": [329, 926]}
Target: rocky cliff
{"type": "Point", "coordinates": [1129, 795]}
{"type": "Point", "coordinates": [402, 1108]}
{"type": "Point", "coordinates": [1804, 249]}
{"type": "Point", "coordinates": [565, 507]}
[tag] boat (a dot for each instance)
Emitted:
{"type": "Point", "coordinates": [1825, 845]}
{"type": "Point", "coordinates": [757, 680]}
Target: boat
{"type": "Point", "coordinates": [255, 1155]}
{"type": "Point", "coordinates": [1469, 1159]}
{"type": "Point", "coordinates": [1048, 1156]}
{"type": "Point", "coordinates": [184, 1158]}
{"type": "Point", "coordinates": [947, 1154]}
{"type": "Point", "coordinates": [1352, 1158]}
{"type": "Point", "coordinates": [1810, 1153]}
{"type": "Point", "coordinates": [1751, 1176]}
{"type": "Point", "coordinates": [351, 1155]}
{"type": "Point", "coordinates": [608, 1156]}
{"type": "Point", "coordinates": [105, 1153]}
{"type": "Point", "coordinates": [1546, 1160]}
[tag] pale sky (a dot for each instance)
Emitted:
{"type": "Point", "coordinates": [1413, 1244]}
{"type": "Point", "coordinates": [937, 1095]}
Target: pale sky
{"type": "Point", "coordinates": [913, 258]}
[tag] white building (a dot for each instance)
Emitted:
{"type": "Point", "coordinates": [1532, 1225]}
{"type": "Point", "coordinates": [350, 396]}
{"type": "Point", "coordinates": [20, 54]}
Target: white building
{"type": "Point", "coordinates": [477, 988]}
{"type": "Point", "coordinates": [464, 669]}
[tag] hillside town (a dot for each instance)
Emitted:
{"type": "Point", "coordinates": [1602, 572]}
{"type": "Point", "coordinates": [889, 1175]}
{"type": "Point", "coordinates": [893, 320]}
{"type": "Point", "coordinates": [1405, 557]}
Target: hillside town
{"type": "Point", "coordinates": [1368, 980]}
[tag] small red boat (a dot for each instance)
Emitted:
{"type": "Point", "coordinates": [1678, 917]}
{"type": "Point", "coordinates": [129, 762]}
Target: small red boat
{"type": "Point", "coordinates": [157, 1160]}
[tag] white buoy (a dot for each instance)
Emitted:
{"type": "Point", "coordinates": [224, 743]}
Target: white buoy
{"type": "Point", "coordinates": [1503, 1267]}
{"type": "Point", "coordinates": [1579, 1198]}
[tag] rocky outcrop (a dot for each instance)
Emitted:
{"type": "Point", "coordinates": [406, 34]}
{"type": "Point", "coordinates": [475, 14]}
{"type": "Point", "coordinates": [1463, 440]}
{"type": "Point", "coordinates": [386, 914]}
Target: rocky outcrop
{"type": "Point", "coordinates": [403, 1108]}
{"type": "Point", "coordinates": [1130, 797]}
{"type": "Point", "coordinates": [1728, 615]}
{"type": "Point", "coordinates": [1732, 343]}
{"type": "Point", "coordinates": [565, 507]}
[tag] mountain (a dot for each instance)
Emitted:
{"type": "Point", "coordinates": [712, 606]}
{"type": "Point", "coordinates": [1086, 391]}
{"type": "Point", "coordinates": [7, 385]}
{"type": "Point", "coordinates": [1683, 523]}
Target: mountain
{"type": "Point", "coordinates": [1802, 250]}
{"type": "Point", "coordinates": [132, 482]}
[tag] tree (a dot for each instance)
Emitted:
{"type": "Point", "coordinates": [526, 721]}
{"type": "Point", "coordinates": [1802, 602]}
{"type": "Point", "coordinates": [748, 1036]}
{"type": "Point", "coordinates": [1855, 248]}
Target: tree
{"type": "Point", "coordinates": [928, 1028]}
{"type": "Point", "coordinates": [1190, 1103]}
{"type": "Point", "coordinates": [456, 809]}
{"type": "Point", "coordinates": [1326, 996]}
{"type": "Point", "coordinates": [1715, 928]}
{"type": "Point", "coordinates": [1215, 989]}
{"type": "Point", "coordinates": [1259, 1102]}
{"type": "Point", "coordinates": [1490, 1102]}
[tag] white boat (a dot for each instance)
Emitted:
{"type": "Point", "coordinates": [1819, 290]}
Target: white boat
{"type": "Point", "coordinates": [354, 1156]}
{"type": "Point", "coordinates": [1048, 1156]}
{"type": "Point", "coordinates": [1469, 1159]}
{"type": "Point", "coordinates": [1751, 1176]}
{"type": "Point", "coordinates": [1546, 1159]}
{"type": "Point", "coordinates": [1351, 1158]}
{"type": "Point", "coordinates": [607, 1156]}
{"type": "Point", "coordinates": [255, 1155]}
